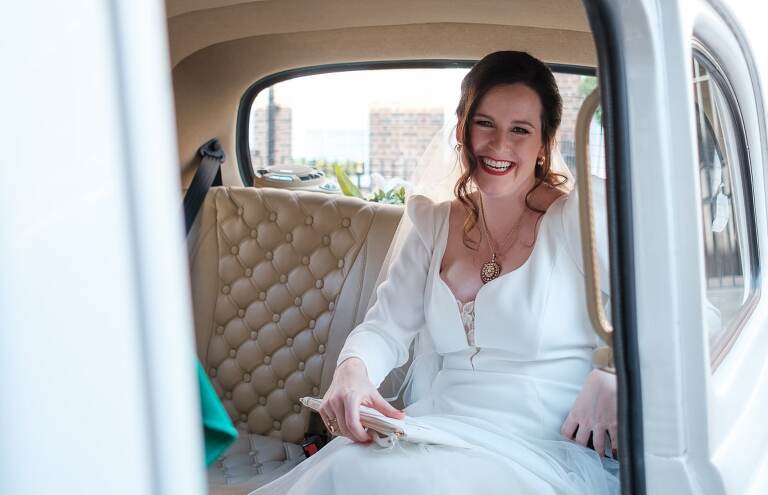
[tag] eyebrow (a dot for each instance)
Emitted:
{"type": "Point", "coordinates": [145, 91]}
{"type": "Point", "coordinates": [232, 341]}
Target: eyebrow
{"type": "Point", "coordinates": [513, 122]}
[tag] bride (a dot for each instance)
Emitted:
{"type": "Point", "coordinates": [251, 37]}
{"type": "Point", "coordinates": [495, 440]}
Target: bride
{"type": "Point", "coordinates": [490, 284]}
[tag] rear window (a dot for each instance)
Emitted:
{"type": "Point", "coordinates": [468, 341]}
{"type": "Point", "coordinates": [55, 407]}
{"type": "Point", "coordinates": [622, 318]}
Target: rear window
{"type": "Point", "coordinates": [374, 125]}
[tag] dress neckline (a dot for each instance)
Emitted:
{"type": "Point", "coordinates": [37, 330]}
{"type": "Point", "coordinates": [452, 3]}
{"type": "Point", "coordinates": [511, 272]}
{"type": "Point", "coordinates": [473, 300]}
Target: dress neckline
{"type": "Point", "coordinates": [444, 245]}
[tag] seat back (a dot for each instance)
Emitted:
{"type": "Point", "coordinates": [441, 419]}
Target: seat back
{"type": "Point", "coordinates": [279, 279]}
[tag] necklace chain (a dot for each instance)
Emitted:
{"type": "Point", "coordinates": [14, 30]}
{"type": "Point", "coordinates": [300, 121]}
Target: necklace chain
{"type": "Point", "coordinates": [505, 245]}
{"type": "Point", "coordinates": [492, 269]}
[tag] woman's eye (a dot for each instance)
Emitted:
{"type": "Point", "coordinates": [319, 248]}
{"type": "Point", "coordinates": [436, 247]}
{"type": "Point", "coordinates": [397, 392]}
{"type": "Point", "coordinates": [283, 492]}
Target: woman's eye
{"type": "Point", "coordinates": [520, 130]}
{"type": "Point", "coordinates": [484, 123]}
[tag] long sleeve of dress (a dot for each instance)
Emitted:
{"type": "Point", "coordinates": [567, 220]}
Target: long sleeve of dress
{"type": "Point", "coordinates": [383, 339]}
{"type": "Point", "coordinates": [572, 234]}
{"type": "Point", "coordinates": [572, 230]}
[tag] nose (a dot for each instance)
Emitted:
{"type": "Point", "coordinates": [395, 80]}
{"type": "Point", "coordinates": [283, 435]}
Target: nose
{"type": "Point", "coordinates": [501, 140]}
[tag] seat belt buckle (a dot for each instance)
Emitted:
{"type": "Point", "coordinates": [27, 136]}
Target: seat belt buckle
{"type": "Point", "coordinates": [312, 444]}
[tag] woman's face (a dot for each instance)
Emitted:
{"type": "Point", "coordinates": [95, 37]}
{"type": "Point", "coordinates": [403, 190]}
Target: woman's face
{"type": "Point", "coordinates": [507, 139]}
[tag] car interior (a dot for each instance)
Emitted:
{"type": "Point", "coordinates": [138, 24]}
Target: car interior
{"type": "Point", "coordinates": [281, 276]}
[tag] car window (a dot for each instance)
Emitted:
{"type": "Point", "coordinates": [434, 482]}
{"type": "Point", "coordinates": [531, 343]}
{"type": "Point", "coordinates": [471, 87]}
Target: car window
{"type": "Point", "coordinates": [728, 228]}
{"type": "Point", "coordinates": [374, 125]}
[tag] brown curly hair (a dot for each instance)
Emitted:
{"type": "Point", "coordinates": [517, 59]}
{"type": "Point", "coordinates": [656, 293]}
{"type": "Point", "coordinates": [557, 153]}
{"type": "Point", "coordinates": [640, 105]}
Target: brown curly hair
{"type": "Point", "coordinates": [505, 67]}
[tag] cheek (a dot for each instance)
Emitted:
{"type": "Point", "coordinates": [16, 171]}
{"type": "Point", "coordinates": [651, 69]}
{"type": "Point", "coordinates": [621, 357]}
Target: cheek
{"type": "Point", "coordinates": [530, 147]}
{"type": "Point", "coordinates": [474, 135]}
{"type": "Point", "coordinates": [479, 140]}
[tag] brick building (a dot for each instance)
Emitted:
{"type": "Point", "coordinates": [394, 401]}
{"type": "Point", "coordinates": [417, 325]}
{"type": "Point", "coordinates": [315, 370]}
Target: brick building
{"type": "Point", "coordinates": [260, 134]}
{"type": "Point", "coordinates": [569, 85]}
{"type": "Point", "coordinates": [398, 138]}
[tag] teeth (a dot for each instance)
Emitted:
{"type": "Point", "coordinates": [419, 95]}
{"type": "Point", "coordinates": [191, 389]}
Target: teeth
{"type": "Point", "coordinates": [496, 165]}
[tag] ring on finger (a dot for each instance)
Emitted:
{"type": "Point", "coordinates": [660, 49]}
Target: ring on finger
{"type": "Point", "coordinates": [333, 425]}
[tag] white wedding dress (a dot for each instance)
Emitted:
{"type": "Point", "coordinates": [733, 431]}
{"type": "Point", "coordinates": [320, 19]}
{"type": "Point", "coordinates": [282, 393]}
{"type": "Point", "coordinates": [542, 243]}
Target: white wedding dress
{"type": "Point", "coordinates": [508, 369]}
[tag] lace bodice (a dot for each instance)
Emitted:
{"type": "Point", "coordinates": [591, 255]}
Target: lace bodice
{"type": "Point", "coordinates": [467, 311]}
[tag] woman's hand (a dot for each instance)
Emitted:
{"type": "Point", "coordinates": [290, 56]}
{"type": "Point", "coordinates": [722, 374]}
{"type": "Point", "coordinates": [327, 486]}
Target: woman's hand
{"type": "Point", "coordinates": [349, 389]}
{"type": "Point", "coordinates": [594, 413]}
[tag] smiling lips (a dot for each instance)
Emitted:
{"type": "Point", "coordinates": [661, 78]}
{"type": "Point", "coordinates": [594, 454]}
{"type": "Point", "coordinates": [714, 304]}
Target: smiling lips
{"type": "Point", "coordinates": [496, 167]}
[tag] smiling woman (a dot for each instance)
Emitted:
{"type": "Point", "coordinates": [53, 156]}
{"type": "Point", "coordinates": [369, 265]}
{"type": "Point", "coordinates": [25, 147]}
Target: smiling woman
{"type": "Point", "coordinates": [518, 124]}
{"type": "Point", "coordinates": [506, 395]}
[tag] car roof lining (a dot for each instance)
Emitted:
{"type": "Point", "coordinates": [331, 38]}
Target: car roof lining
{"type": "Point", "coordinates": [196, 24]}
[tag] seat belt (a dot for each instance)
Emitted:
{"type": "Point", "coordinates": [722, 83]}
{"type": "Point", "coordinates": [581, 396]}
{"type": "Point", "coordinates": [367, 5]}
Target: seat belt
{"type": "Point", "coordinates": [316, 435]}
{"type": "Point", "coordinates": [208, 175]}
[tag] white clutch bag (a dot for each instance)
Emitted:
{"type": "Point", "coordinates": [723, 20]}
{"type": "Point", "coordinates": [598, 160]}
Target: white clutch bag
{"type": "Point", "coordinates": [390, 430]}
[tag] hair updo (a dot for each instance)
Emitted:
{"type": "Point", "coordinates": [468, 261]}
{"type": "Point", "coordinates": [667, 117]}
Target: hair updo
{"type": "Point", "coordinates": [502, 68]}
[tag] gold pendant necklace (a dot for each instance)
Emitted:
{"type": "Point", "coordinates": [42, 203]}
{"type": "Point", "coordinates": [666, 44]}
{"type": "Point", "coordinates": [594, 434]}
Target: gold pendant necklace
{"type": "Point", "coordinates": [492, 269]}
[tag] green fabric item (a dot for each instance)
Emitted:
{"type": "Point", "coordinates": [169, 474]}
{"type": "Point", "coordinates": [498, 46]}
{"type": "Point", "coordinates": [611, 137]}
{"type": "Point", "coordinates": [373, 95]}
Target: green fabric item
{"type": "Point", "coordinates": [218, 430]}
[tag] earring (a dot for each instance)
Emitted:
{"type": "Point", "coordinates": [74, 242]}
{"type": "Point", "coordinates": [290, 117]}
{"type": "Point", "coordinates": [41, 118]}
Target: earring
{"type": "Point", "coordinates": [540, 161]}
{"type": "Point", "coordinates": [458, 147]}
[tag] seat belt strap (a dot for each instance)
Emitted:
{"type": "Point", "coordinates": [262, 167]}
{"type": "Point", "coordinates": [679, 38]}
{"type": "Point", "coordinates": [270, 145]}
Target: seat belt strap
{"type": "Point", "coordinates": [208, 175]}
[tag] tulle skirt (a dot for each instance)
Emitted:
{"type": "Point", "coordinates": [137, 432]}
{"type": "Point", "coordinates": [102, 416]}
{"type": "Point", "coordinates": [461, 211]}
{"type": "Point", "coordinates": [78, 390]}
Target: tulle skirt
{"type": "Point", "coordinates": [511, 419]}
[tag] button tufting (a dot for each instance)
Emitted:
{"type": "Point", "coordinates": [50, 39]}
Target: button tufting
{"type": "Point", "coordinates": [321, 348]}
{"type": "Point", "coordinates": [297, 301]}
{"type": "Point", "coordinates": [233, 250]}
{"type": "Point", "coordinates": [276, 425]}
{"type": "Point", "coordinates": [262, 295]}
{"type": "Point", "coordinates": [308, 220]}
{"type": "Point", "coordinates": [283, 279]}
{"type": "Point", "coordinates": [232, 353]}
{"type": "Point", "coordinates": [311, 323]}
{"type": "Point", "coordinates": [243, 417]}
{"type": "Point", "coordinates": [254, 233]}
{"type": "Point", "coordinates": [225, 289]}
{"type": "Point", "coordinates": [240, 211]}
{"type": "Point", "coordinates": [272, 216]}
{"type": "Point", "coordinates": [212, 371]}
{"type": "Point", "coordinates": [254, 335]}
{"type": "Point", "coordinates": [248, 272]}
{"type": "Point", "coordinates": [289, 341]}
{"type": "Point", "coordinates": [296, 408]}
{"type": "Point", "coordinates": [219, 330]}
{"type": "Point", "coordinates": [262, 400]}
{"type": "Point", "coordinates": [267, 359]}
{"type": "Point", "coordinates": [331, 305]}
{"type": "Point", "coordinates": [301, 366]}
{"type": "Point", "coordinates": [305, 260]}
{"type": "Point", "coordinates": [345, 222]}
{"type": "Point", "coordinates": [288, 237]}
{"type": "Point", "coordinates": [227, 395]}
{"type": "Point", "coordinates": [326, 240]}
{"type": "Point", "coordinates": [247, 377]}
{"type": "Point", "coordinates": [240, 313]}
{"type": "Point", "coordinates": [280, 383]}
{"type": "Point", "coordinates": [268, 255]}
{"type": "Point", "coordinates": [340, 264]}
{"type": "Point", "coordinates": [275, 317]}
{"type": "Point", "coordinates": [315, 391]}
{"type": "Point", "coordinates": [319, 284]}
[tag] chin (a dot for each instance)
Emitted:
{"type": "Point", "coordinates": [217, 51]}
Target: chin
{"type": "Point", "coordinates": [498, 186]}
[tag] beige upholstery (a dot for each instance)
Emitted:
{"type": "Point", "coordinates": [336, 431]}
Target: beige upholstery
{"type": "Point", "coordinates": [279, 279]}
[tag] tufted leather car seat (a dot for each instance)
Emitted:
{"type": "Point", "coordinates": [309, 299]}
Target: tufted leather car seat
{"type": "Point", "coordinates": [279, 279]}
